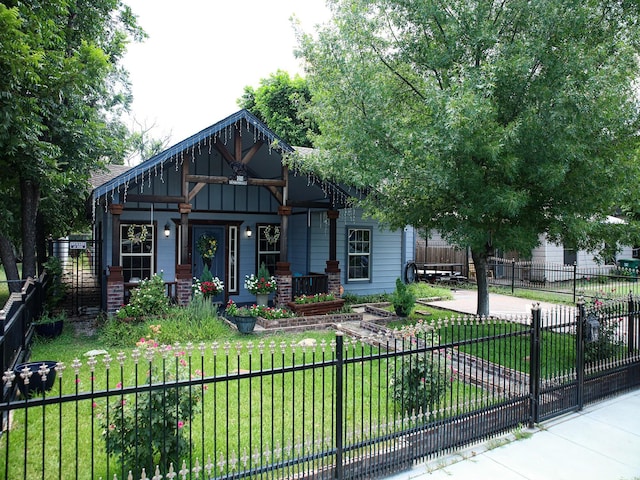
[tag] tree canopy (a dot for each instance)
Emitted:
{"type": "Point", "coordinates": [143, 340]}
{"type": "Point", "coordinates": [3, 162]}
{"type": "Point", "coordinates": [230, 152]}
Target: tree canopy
{"type": "Point", "coordinates": [61, 97]}
{"type": "Point", "coordinates": [281, 102]}
{"type": "Point", "coordinates": [492, 122]}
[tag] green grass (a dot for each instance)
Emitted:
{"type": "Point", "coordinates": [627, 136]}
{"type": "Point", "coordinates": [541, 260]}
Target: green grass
{"type": "Point", "coordinates": [270, 407]}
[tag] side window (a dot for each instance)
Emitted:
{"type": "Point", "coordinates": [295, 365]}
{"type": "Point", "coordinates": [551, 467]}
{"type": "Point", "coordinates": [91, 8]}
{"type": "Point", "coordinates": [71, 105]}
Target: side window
{"type": "Point", "coordinates": [137, 251]}
{"type": "Point", "coordinates": [268, 246]}
{"type": "Point", "coordinates": [358, 254]}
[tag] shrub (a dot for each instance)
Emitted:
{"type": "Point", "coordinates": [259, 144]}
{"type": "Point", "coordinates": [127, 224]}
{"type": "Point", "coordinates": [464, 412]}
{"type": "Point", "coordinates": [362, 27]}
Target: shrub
{"type": "Point", "coordinates": [57, 289]}
{"type": "Point", "coordinates": [418, 383]}
{"type": "Point", "coordinates": [148, 299]}
{"type": "Point", "coordinates": [152, 428]}
{"type": "Point", "coordinates": [402, 299]}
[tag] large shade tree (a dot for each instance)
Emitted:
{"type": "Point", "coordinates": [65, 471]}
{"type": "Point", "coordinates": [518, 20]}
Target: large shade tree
{"type": "Point", "coordinates": [61, 97]}
{"type": "Point", "coordinates": [282, 102]}
{"type": "Point", "coordinates": [491, 121]}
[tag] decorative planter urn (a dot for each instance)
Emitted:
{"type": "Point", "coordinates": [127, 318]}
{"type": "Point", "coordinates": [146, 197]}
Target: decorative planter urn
{"type": "Point", "coordinates": [35, 385]}
{"type": "Point", "coordinates": [245, 324]}
{"type": "Point", "coordinates": [316, 308]}
{"type": "Point", "coordinates": [50, 329]}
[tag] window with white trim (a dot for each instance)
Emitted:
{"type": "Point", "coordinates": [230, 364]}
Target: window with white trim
{"type": "Point", "coordinates": [358, 254]}
{"type": "Point", "coordinates": [137, 251]}
{"type": "Point", "coordinates": [268, 246]}
{"type": "Point", "coordinates": [232, 279]}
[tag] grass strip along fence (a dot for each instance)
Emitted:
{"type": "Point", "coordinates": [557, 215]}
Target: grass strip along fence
{"type": "Point", "coordinates": [323, 407]}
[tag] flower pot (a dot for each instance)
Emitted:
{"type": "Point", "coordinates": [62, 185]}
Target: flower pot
{"type": "Point", "coordinates": [35, 385]}
{"type": "Point", "coordinates": [262, 299]}
{"type": "Point", "coordinates": [245, 324]}
{"type": "Point", "coordinates": [50, 329]}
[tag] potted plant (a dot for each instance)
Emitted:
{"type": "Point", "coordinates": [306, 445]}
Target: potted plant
{"type": "Point", "coordinates": [402, 299]}
{"type": "Point", "coordinates": [50, 326]}
{"type": "Point", "coordinates": [244, 318]}
{"type": "Point", "coordinates": [35, 377]}
{"type": "Point", "coordinates": [207, 286]}
{"type": "Point", "coordinates": [261, 285]}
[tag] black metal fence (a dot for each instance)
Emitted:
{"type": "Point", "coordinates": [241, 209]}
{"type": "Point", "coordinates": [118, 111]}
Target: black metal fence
{"type": "Point", "coordinates": [599, 281]}
{"type": "Point", "coordinates": [16, 318]}
{"type": "Point", "coordinates": [343, 408]}
{"type": "Point", "coordinates": [80, 260]}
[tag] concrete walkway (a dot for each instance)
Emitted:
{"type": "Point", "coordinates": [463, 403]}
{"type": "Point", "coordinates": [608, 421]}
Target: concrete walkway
{"type": "Point", "coordinates": [601, 442]}
{"type": "Point", "coordinates": [466, 301]}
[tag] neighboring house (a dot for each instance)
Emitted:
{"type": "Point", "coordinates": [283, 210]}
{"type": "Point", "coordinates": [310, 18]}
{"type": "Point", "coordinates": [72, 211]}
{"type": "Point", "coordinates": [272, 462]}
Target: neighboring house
{"type": "Point", "coordinates": [228, 183]}
{"type": "Point", "coordinates": [437, 252]}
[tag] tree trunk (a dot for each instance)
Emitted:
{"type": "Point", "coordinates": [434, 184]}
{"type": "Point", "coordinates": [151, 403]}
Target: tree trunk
{"type": "Point", "coordinates": [30, 200]}
{"type": "Point", "coordinates": [10, 263]}
{"type": "Point", "coordinates": [41, 243]}
{"type": "Point", "coordinates": [480, 261]}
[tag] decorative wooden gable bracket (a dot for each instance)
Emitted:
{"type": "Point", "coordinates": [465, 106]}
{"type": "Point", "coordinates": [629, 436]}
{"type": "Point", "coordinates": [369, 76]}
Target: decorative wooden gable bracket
{"type": "Point", "coordinates": [239, 169]}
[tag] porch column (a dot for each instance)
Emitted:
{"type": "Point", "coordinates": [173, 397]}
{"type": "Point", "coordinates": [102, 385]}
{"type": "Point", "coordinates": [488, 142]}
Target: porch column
{"type": "Point", "coordinates": [115, 289]}
{"type": "Point", "coordinates": [183, 284]}
{"type": "Point", "coordinates": [283, 267]}
{"type": "Point", "coordinates": [183, 268]}
{"type": "Point", "coordinates": [115, 279]}
{"type": "Point", "coordinates": [333, 265]}
{"type": "Point", "coordinates": [116, 210]}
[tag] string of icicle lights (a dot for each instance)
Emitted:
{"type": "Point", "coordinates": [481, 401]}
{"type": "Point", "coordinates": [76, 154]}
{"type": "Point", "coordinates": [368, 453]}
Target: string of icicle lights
{"type": "Point", "coordinates": [174, 157]}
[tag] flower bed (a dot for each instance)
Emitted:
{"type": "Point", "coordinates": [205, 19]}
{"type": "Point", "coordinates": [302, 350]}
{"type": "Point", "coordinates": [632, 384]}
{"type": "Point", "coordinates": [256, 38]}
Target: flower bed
{"type": "Point", "coordinates": [312, 322]}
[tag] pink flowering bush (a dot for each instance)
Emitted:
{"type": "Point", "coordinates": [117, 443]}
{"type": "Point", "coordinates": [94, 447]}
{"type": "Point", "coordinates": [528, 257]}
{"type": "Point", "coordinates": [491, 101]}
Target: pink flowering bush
{"type": "Point", "coordinates": [153, 428]}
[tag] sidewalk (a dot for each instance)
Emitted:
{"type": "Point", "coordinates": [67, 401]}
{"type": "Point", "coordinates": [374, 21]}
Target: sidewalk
{"type": "Point", "coordinates": [601, 442]}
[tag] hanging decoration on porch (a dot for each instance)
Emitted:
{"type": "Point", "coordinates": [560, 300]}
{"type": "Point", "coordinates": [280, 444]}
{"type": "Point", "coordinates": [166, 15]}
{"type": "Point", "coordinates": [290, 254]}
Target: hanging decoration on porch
{"type": "Point", "coordinates": [272, 239]}
{"type": "Point", "coordinates": [136, 237]}
{"type": "Point", "coordinates": [207, 246]}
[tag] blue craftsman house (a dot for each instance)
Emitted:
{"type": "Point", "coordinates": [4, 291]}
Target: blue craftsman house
{"type": "Point", "coordinates": [226, 190]}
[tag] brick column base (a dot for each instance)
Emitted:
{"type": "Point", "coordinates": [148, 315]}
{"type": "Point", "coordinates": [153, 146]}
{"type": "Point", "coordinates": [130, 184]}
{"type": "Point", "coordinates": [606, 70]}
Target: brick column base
{"type": "Point", "coordinates": [284, 282]}
{"type": "Point", "coordinates": [184, 280]}
{"type": "Point", "coordinates": [115, 290]}
{"type": "Point", "coordinates": [333, 278]}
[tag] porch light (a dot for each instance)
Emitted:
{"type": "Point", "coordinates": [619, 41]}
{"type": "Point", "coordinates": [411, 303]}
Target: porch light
{"type": "Point", "coordinates": [248, 231]}
{"type": "Point", "coordinates": [167, 230]}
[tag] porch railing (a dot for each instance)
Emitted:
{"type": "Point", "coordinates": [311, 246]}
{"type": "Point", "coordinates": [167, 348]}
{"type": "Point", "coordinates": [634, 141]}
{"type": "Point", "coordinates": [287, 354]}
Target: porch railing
{"type": "Point", "coordinates": [310, 284]}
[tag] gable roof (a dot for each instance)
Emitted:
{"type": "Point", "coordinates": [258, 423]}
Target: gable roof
{"type": "Point", "coordinates": [309, 188]}
{"type": "Point", "coordinates": [251, 122]}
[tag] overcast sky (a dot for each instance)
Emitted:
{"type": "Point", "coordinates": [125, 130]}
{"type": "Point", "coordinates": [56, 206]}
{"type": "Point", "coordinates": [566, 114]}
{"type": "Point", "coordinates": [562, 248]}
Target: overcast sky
{"type": "Point", "coordinates": [200, 55]}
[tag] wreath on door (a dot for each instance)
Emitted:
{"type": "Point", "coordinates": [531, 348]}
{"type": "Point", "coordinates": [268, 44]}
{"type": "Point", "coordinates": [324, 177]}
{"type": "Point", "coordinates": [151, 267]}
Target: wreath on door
{"type": "Point", "coordinates": [207, 246]}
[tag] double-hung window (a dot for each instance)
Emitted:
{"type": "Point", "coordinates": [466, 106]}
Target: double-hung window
{"type": "Point", "coordinates": [137, 251]}
{"type": "Point", "coordinates": [359, 254]}
{"type": "Point", "coordinates": [268, 246]}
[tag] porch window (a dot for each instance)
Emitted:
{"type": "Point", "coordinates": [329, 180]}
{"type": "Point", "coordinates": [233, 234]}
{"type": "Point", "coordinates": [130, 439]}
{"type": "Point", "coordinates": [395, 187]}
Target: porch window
{"type": "Point", "coordinates": [232, 278]}
{"type": "Point", "coordinates": [359, 254]}
{"type": "Point", "coordinates": [268, 246]}
{"type": "Point", "coordinates": [137, 251]}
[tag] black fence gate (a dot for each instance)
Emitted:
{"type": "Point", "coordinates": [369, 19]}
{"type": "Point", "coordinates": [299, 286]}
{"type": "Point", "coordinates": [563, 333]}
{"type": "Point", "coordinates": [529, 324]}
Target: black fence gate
{"type": "Point", "coordinates": [82, 273]}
